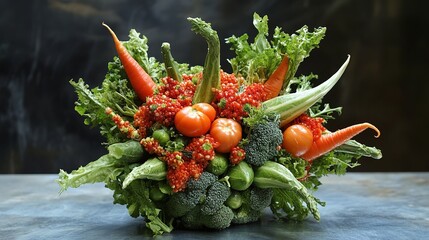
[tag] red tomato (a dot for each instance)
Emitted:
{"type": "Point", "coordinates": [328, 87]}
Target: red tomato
{"type": "Point", "coordinates": [297, 139]}
{"type": "Point", "coordinates": [227, 132]}
{"type": "Point", "coordinates": [191, 122]}
{"type": "Point", "coordinates": [207, 109]}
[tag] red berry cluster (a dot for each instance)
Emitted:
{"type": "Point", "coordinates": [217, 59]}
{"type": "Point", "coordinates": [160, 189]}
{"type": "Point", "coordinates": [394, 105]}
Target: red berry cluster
{"type": "Point", "coordinates": [314, 124]}
{"type": "Point", "coordinates": [231, 98]}
{"type": "Point", "coordinates": [202, 149]}
{"type": "Point", "coordinates": [123, 126]}
{"type": "Point", "coordinates": [182, 91]}
{"type": "Point", "coordinates": [178, 177]}
{"type": "Point", "coordinates": [237, 155]}
{"type": "Point", "coordinates": [172, 96]}
{"type": "Point", "coordinates": [143, 120]}
{"type": "Point", "coordinates": [152, 146]}
{"type": "Point", "coordinates": [173, 159]}
{"type": "Point", "coordinates": [163, 109]}
{"type": "Point", "coordinates": [181, 167]}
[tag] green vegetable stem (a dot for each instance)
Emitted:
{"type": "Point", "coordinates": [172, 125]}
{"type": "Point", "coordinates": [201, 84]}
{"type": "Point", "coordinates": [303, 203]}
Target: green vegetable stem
{"type": "Point", "coordinates": [153, 169]}
{"type": "Point", "coordinates": [169, 63]}
{"type": "Point", "coordinates": [290, 106]}
{"type": "Point", "coordinates": [211, 72]}
{"type": "Point", "coordinates": [355, 148]}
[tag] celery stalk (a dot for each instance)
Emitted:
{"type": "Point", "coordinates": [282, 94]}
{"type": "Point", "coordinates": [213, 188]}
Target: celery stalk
{"type": "Point", "coordinates": [290, 106]}
{"type": "Point", "coordinates": [211, 72]}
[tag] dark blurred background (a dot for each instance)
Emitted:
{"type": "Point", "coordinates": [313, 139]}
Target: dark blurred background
{"type": "Point", "coordinates": [45, 43]}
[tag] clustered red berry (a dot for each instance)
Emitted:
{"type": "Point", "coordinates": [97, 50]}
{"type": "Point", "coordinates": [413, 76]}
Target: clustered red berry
{"type": "Point", "coordinates": [123, 126]}
{"type": "Point", "coordinates": [181, 91]}
{"type": "Point", "coordinates": [237, 155]}
{"type": "Point", "coordinates": [174, 159]}
{"type": "Point", "coordinates": [143, 120]}
{"type": "Point", "coordinates": [187, 164]}
{"type": "Point", "coordinates": [202, 149]}
{"type": "Point", "coordinates": [163, 109]}
{"type": "Point", "coordinates": [152, 146]}
{"type": "Point", "coordinates": [314, 124]}
{"type": "Point", "coordinates": [232, 97]}
{"type": "Point", "coordinates": [178, 177]}
{"type": "Point", "coordinates": [171, 96]}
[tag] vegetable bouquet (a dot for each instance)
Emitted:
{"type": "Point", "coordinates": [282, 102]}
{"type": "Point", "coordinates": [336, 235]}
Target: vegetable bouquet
{"type": "Point", "coordinates": [197, 147]}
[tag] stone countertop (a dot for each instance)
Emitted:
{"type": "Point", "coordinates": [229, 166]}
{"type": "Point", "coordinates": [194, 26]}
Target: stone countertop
{"type": "Point", "coordinates": [359, 206]}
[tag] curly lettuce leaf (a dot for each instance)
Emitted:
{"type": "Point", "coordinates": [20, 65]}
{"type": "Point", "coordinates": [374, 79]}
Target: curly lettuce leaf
{"type": "Point", "coordinates": [256, 61]}
{"type": "Point", "coordinates": [112, 169]}
{"type": "Point", "coordinates": [101, 170]}
{"type": "Point", "coordinates": [297, 46]}
{"type": "Point", "coordinates": [138, 47]}
{"type": "Point", "coordinates": [108, 167]}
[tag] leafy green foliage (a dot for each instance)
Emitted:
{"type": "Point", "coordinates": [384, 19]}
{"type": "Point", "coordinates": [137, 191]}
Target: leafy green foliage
{"type": "Point", "coordinates": [112, 169]}
{"type": "Point", "coordinates": [256, 61]}
{"type": "Point", "coordinates": [297, 166]}
{"type": "Point", "coordinates": [289, 205]}
{"type": "Point", "coordinates": [138, 47]}
{"type": "Point", "coordinates": [137, 200]}
{"type": "Point", "coordinates": [107, 167]}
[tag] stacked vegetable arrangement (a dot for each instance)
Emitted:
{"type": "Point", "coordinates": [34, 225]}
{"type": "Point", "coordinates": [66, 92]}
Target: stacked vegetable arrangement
{"type": "Point", "coordinates": [197, 147]}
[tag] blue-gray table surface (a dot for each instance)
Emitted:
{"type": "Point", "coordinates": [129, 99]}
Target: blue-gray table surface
{"type": "Point", "coordinates": [359, 206]}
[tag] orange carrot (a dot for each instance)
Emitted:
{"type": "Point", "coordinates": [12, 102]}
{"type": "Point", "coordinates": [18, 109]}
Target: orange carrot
{"type": "Point", "coordinates": [328, 142]}
{"type": "Point", "coordinates": [141, 82]}
{"type": "Point", "coordinates": [274, 84]}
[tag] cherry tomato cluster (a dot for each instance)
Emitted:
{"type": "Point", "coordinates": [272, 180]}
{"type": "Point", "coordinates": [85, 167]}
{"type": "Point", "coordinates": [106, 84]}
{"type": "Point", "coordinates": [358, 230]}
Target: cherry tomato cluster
{"type": "Point", "coordinates": [198, 119]}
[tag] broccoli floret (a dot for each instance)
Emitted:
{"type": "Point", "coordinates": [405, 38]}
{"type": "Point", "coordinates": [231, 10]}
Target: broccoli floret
{"type": "Point", "coordinates": [201, 204]}
{"type": "Point", "coordinates": [217, 194]}
{"type": "Point", "coordinates": [182, 202]}
{"type": "Point", "coordinates": [260, 198]}
{"type": "Point", "coordinates": [245, 215]}
{"type": "Point", "coordinates": [220, 220]}
{"type": "Point", "coordinates": [202, 183]}
{"type": "Point", "coordinates": [263, 140]}
{"type": "Point", "coordinates": [253, 202]}
{"type": "Point", "coordinates": [192, 220]}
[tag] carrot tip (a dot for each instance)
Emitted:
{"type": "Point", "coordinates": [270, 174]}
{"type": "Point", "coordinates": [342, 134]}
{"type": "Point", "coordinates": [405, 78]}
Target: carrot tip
{"type": "Point", "coordinates": [375, 129]}
{"type": "Point", "coordinates": [110, 30]}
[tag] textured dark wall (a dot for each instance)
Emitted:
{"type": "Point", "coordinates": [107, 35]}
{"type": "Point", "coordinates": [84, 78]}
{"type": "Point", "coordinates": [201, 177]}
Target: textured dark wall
{"type": "Point", "coordinates": [45, 43]}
